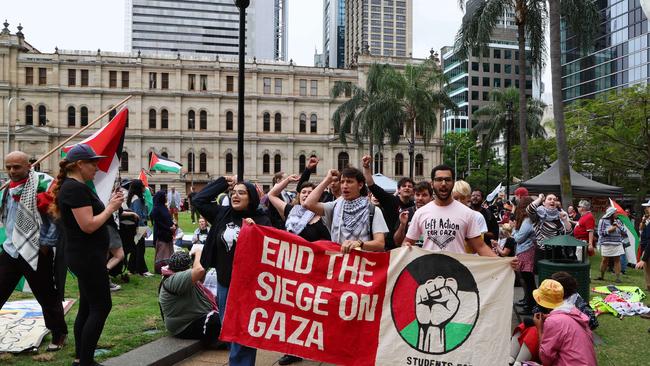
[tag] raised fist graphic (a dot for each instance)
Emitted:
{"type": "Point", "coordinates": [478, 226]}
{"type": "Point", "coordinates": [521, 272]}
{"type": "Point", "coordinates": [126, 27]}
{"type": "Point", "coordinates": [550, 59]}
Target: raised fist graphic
{"type": "Point", "coordinates": [436, 303]}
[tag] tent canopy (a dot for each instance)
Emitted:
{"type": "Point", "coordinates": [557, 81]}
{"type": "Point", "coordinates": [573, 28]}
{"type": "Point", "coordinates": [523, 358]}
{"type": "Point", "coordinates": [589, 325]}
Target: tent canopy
{"type": "Point", "coordinates": [385, 183]}
{"type": "Point", "coordinates": [549, 182]}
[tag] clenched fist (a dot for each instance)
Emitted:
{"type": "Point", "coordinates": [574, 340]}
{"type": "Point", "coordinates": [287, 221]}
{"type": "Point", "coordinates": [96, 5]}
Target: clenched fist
{"type": "Point", "coordinates": [436, 303]}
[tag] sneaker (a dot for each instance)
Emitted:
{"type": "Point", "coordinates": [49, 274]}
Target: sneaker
{"type": "Point", "coordinates": [288, 360]}
{"type": "Point", "coordinates": [148, 274]}
{"type": "Point", "coordinates": [113, 287]}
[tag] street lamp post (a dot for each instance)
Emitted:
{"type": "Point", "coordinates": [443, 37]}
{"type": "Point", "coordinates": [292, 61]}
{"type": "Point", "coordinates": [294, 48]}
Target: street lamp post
{"type": "Point", "coordinates": [193, 154]}
{"type": "Point", "coordinates": [242, 5]}
{"type": "Point", "coordinates": [508, 128]}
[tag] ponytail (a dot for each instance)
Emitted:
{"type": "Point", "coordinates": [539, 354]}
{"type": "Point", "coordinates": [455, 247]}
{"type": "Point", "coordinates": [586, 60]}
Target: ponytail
{"type": "Point", "coordinates": [64, 168]}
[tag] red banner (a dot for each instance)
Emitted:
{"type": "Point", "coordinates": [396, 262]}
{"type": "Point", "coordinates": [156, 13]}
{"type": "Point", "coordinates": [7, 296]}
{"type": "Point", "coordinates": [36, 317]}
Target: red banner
{"type": "Point", "coordinates": [306, 299]}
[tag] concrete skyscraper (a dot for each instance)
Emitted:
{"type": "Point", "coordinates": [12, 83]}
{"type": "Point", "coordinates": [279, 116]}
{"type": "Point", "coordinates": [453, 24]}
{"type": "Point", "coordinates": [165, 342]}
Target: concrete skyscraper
{"type": "Point", "coordinates": [207, 26]}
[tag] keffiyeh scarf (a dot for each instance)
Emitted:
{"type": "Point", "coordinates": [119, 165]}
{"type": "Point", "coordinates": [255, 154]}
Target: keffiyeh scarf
{"type": "Point", "coordinates": [298, 219]}
{"type": "Point", "coordinates": [28, 222]}
{"type": "Point", "coordinates": [547, 214]}
{"type": "Point", "coordinates": [355, 218]}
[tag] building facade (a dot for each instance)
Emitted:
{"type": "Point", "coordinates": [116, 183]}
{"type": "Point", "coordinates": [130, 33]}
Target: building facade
{"type": "Point", "coordinates": [206, 26]}
{"type": "Point", "coordinates": [619, 58]}
{"type": "Point", "coordinates": [185, 108]}
{"type": "Point", "coordinates": [379, 28]}
{"type": "Point", "coordinates": [333, 34]}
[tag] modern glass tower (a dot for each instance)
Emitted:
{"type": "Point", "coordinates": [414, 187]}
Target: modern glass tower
{"type": "Point", "coordinates": [334, 33]}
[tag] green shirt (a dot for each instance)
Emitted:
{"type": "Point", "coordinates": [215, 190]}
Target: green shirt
{"type": "Point", "coordinates": [182, 302]}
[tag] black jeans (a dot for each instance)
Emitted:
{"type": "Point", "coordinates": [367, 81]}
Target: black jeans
{"type": "Point", "coordinates": [137, 263]}
{"type": "Point", "coordinates": [528, 284]}
{"type": "Point", "coordinates": [40, 281]}
{"type": "Point", "coordinates": [94, 302]}
{"type": "Point", "coordinates": [207, 332]}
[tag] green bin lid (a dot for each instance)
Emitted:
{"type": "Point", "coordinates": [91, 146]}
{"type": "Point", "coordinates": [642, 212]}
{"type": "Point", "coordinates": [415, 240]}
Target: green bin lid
{"type": "Point", "coordinates": [564, 240]}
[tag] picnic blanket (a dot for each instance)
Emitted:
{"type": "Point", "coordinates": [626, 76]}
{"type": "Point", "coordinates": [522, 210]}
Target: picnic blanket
{"type": "Point", "coordinates": [619, 301]}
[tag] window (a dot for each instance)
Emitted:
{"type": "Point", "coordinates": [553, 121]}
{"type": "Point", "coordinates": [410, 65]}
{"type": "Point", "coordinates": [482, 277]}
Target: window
{"type": "Point", "coordinates": [486, 95]}
{"type": "Point", "coordinates": [125, 79]}
{"type": "Point", "coordinates": [83, 111]}
{"type": "Point", "coordinates": [277, 163]}
{"type": "Point", "coordinates": [343, 160]}
{"type": "Point", "coordinates": [507, 54]}
{"type": "Point", "coordinates": [303, 87]}
{"type": "Point", "coordinates": [314, 88]}
{"type": "Point", "coordinates": [72, 77]}
{"type": "Point", "coordinates": [84, 77]}
{"type": "Point", "coordinates": [507, 83]}
{"type": "Point", "coordinates": [266, 164]}
{"type": "Point", "coordinates": [29, 75]}
{"type": "Point", "coordinates": [474, 94]}
{"type": "Point", "coordinates": [379, 163]}
{"type": "Point", "coordinates": [230, 83]}
{"type": "Point", "coordinates": [152, 118]}
{"type": "Point", "coordinates": [229, 121]}
{"type": "Point", "coordinates": [474, 66]}
{"type": "Point", "coordinates": [203, 120]}
{"type": "Point", "coordinates": [399, 165]}
{"type": "Point", "coordinates": [124, 162]}
{"type": "Point", "coordinates": [153, 78]}
{"type": "Point", "coordinates": [497, 68]}
{"type": "Point", "coordinates": [203, 162]}
{"type": "Point", "coordinates": [42, 115]}
{"type": "Point", "coordinates": [29, 115]}
{"type": "Point", "coordinates": [112, 79]}
{"type": "Point", "coordinates": [229, 163]}
{"type": "Point", "coordinates": [191, 119]}
{"type": "Point", "coordinates": [164, 154]}
{"type": "Point", "coordinates": [42, 76]}
{"type": "Point", "coordinates": [507, 69]}
{"type": "Point", "coordinates": [302, 163]}
{"type": "Point", "coordinates": [419, 165]}
{"type": "Point", "coordinates": [164, 80]}
{"type": "Point", "coordinates": [303, 123]}
{"type": "Point", "coordinates": [266, 124]}
{"type": "Point", "coordinates": [164, 119]}
{"type": "Point", "coordinates": [190, 161]}
{"type": "Point", "coordinates": [497, 82]}
{"type": "Point", "coordinates": [475, 81]}
{"type": "Point", "coordinates": [71, 116]}
{"type": "Point", "coordinates": [267, 85]}
{"type": "Point", "coordinates": [313, 123]}
{"type": "Point", "coordinates": [278, 86]}
{"type": "Point", "coordinates": [112, 114]}
{"type": "Point", "coordinates": [486, 81]}
{"type": "Point", "coordinates": [278, 123]}
{"type": "Point", "coordinates": [191, 80]}
{"type": "Point", "coordinates": [204, 82]}
{"type": "Point", "coordinates": [497, 53]}
{"type": "Point", "coordinates": [486, 67]}
{"type": "Point", "coordinates": [163, 187]}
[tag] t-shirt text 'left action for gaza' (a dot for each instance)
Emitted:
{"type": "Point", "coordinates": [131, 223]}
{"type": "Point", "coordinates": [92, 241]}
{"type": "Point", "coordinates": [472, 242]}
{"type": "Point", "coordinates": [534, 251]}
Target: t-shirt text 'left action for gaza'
{"type": "Point", "coordinates": [305, 296]}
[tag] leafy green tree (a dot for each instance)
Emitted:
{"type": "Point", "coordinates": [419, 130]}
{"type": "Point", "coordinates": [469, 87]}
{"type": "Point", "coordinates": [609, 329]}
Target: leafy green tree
{"type": "Point", "coordinates": [542, 153]}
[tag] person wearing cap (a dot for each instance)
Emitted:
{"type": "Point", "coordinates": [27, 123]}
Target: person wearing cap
{"type": "Point", "coordinates": [84, 218]}
{"type": "Point", "coordinates": [27, 250]}
{"type": "Point", "coordinates": [610, 239]}
{"type": "Point", "coordinates": [565, 338]}
{"type": "Point", "coordinates": [644, 228]}
{"type": "Point", "coordinates": [584, 229]}
{"type": "Point", "coordinates": [187, 307]}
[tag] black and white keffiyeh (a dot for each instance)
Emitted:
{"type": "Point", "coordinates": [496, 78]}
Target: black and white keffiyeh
{"type": "Point", "coordinates": [298, 219]}
{"type": "Point", "coordinates": [355, 217]}
{"type": "Point", "coordinates": [27, 225]}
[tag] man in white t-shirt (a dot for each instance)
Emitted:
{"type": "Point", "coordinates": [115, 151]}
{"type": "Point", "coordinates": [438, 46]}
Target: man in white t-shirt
{"type": "Point", "coordinates": [348, 217]}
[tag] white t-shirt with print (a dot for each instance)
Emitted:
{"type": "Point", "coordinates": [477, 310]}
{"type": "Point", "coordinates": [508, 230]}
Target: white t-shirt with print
{"type": "Point", "coordinates": [378, 222]}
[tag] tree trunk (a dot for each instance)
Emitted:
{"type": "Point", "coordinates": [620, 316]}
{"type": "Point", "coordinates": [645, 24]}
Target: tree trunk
{"type": "Point", "coordinates": [558, 106]}
{"type": "Point", "coordinates": [411, 151]}
{"type": "Point", "coordinates": [523, 134]}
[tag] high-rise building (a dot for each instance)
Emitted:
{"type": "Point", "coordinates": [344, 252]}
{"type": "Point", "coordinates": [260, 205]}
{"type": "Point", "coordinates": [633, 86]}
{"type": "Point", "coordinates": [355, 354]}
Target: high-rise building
{"type": "Point", "coordinates": [206, 26]}
{"type": "Point", "coordinates": [620, 57]}
{"type": "Point", "coordinates": [378, 27]}
{"type": "Point", "coordinates": [333, 34]}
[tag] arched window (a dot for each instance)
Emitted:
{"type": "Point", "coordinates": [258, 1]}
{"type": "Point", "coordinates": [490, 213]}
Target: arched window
{"type": "Point", "coordinates": [72, 116]}
{"type": "Point", "coordinates": [112, 114]}
{"type": "Point", "coordinates": [419, 165]}
{"type": "Point", "coordinates": [203, 162]}
{"type": "Point", "coordinates": [379, 163]}
{"type": "Point", "coordinates": [401, 128]}
{"type": "Point", "coordinates": [190, 119]}
{"type": "Point", "coordinates": [124, 161]}
{"type": "Point", "coordinates": [229, 163]}
{"type": "Point", "coordinates": [164, 119]}
{"type": "Point", "coordinates": [277, 163]}
{"type": "Point", "coordinates": [301, 163]}
{"type": "Point", "coordinates": [229, 122]}
{"type": "Point", "coordinates": [343, 160]}
{"type": "Point", "coordinates": [42, 115]}
{"type": "Point", "coordinates": [266, 162]}
{"type": "Point", "coordinates": [399, 165]}
{"type": "Point", "coordinates": [152, 118]}
{"type": "Point", "coordinates": [313, 123]}
{"type": "Point", "coordinates": [29, 115]}
{"type": "Point", "coordinates": [203, 120]}
{"type": "Point", "coordinates": [278, 123]}
{"type": "Point", "coordinates": [84, 116]}
{"type": "Point", "coordinates": [190, 161]}
{"type": "Point", "coordinates": [266, 122]}
{"type": "Point", "coordinates": [303, 122]}
{"type": "Point", "coordinates": [164, 154]}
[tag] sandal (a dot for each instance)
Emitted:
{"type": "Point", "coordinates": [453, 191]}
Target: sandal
{"type": "Point", "coordinates": [57, 344]}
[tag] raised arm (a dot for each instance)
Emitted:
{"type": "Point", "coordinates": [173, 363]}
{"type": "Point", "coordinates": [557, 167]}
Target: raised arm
{"type": "Point", "coordinates": [203, 201]}
{"type": "Point", "coordinates": [400, 233]}
{"type": "Point", "coordinates": [312, 202]}
{"type": "Point", "coordinates": [306, 174]}
{"type": "Point", "coordinates": [274, 194]}
{"type": "Point", "coordinates": [386, 200]}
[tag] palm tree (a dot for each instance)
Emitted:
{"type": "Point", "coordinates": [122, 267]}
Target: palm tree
{"type": "Point", "coordinates": [582, 18]}
{"type": "Point", "coordinates": [530, 17]}
{"type": "Point", "coordinates": [493, 126]}
{"type": "Point", "coordinates": [370, 113]}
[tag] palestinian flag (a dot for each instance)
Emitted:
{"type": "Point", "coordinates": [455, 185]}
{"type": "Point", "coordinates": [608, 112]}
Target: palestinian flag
{"type": "Point", "coordinates": [148, 198]}
{"type": "Point", "coordinates": [162, 164]}
{"type": "Point", "coordinates": [631, 252]}
{"type": "Point", "coordinates": [107, 141]}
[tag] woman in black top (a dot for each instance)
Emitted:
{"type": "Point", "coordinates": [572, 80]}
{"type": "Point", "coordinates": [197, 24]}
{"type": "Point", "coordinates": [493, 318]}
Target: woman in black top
{"type": "Point", "coordinates": [84, 220]}
{"type": "Point", "coordinates": [220, 246]}
{"type": "Point", "coordinates": [163, 231]}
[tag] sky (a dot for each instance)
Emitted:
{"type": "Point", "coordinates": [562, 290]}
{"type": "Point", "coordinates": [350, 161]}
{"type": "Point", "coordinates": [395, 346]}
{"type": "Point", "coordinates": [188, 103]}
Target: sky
{"type": "Point", "coordinates": [93, 24]}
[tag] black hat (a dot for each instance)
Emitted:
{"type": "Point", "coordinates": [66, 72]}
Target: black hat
{"type": "Point", "coordinates": [82, 152]}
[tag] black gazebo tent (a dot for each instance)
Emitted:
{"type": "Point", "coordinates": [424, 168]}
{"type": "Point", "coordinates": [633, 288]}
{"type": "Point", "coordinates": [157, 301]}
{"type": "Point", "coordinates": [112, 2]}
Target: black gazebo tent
{"type": "Point", "coordinates": [549, 182]}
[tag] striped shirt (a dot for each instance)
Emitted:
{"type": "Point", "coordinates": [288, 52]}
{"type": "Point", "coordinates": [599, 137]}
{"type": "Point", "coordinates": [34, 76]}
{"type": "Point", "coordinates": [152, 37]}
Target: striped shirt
{"type": "Point", "coordinates": [545, 229]}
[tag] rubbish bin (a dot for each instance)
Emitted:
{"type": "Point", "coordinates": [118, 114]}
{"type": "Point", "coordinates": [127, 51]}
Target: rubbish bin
{"type": "Point", "coordinates": [579, 270]}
